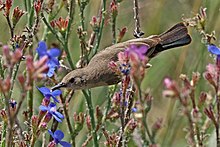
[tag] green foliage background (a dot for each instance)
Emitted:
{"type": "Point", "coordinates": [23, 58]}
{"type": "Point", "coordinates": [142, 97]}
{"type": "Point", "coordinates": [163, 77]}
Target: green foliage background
{"type": "Point", "coordinates": [156, 16]}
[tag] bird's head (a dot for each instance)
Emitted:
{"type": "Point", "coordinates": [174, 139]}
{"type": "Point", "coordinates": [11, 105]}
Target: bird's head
{"type": "Point", "coordinates": [76, 79]}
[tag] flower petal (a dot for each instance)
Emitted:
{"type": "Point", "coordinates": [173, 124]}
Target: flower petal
{"type": "Point", "coordinates": [51, 105]}
{"type": "Point", "coordinates": [56, 93]}
{"type": "Point", "coordinates": [43, 108]}
{"type": "Point", "coordinates": [51, 71]}
{"type": "Point", "coordinates": [51, 133]}
{"type": "Point", "coordinates": [65, 144]}
{"type": "Point", "coordinates": [57, 118]}
{"type": "Point", "coordinates": [58, 134]}
{"type": "Point", "coordinates": [58, 114]}
{"type": "Point", "coordinates": [213, 49]}
{"type": "Point", "coordinates": [53, 62]}
{"type": "Point", "coordinates": [54, 52]}
{"type": "Point", "coordinates": [42, 48]}
{"type": "Point", "coordinates": [44, 90]}
{"type": "Point", "coordinates": [143, 49]}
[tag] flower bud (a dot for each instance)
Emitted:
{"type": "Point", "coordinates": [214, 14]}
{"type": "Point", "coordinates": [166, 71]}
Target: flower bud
{"type": "Point", "coordinates": [17, 14]}
{"type": "Point", "coordinates": [43, 126]}
{"type": "Point", "coordinates": [195, 78]}
{"type": "Point", "coordinates": [21, 80]}
{"type": "Point", "coordinates": [95, 24]}
{"type": "Point", "coordinates": [114, 9]}
{"type": "Point", "coordinates": [121, 34]}
{"type": "Point", "coordinates": [99, 115]}
{"type": "Point", "coordinates": [34, 121]}
{"type": "Point", "coordinates": [208, 76]}
{"type": "Point", "coordinates": [88, 123]}
{"type": "Point", "coordinates": [171, 85]}
{"type": "Point", "coordinates": [209, 112]}
{"type": "Point", "coordinates": [186, 81]}
{"type": "Point", "coordinates": [3, 115]}
{"type": "Point", "coordinates": [78, 120]}
{"type": "Point", "coordinates": [52, 144]}
{"type": "Point", "coordinates": [47, 117]}
{"type": "Point", "coordinates": [196, 115]}
{"type": "Point", "coordinates": [202, 98]}
{"type": "Point", "coordinates": [62, 24]}
{"type": "Point", "coordinates": [16, 56]}
{"type": "Point", "coordinates": [8, 4]}
{"type": "Point", "coordinates": [37, 6]}
{"type": "Point", "coordinates": [131, 125]}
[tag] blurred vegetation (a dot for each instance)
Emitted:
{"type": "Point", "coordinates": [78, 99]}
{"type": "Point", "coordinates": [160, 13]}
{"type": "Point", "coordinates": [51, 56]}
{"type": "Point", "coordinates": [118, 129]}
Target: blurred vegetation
{"type": "Point", "coordinates": [156, 16]}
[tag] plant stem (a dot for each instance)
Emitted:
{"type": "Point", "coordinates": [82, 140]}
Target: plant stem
{"type": "Point", "coordinates": [192, 96]}
{"type": "Point", "coordinates": [25, 5]}
{"type": "Point", "coordinates": [147, 128]}
{"type": "Point", "coordinates": [66, 38]}
{"type": "Point", "coordinates": [218, 105]}
{"type": "Point", "coordinates": [30, 13]}
{"type": "Point", "coordinates": [3, 134]}
{"type": "Point", "coordinates": [68, 121]}
{"type": "Point", "coordinates": [82, 21]}
{"type": "Point", "coordinates": [137, 31]}
{"type": "Point", "coordinates": [91, 114]}
{"type": "Point", "coordinates": [10, 27]}
{"type": "Point", "coordinates": [98, 39]}
{"type": "Point", "coordinates": [114, 30]}
{"type": "Point", "coordinates": [108, 104]}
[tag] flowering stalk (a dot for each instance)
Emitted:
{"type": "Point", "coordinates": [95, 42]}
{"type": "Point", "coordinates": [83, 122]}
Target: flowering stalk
{"type": "Point", "coordinates": [114, 14]}
{"type": "Point", "coordinates": [99, 36]}
{"type": "Point", "coordinates": [66, 39]}
{"type": "Point", "coordinates": [91, 114]}
{"type": "Point", "coordinates": [63, 41]}
{"type": "Point", "coordinates": [82, 6]}
{"type": "Point", "coordinates": [72, 134]}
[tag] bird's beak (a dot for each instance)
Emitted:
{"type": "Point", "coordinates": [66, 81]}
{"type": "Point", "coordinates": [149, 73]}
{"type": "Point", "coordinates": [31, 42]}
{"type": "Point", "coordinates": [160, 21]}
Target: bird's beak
{"type": "Point", "coordinates": [58, 86]}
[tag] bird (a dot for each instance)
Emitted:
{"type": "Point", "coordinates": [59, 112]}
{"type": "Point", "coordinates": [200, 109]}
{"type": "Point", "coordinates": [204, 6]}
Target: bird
{"type": "Point", "coordinates": [97, 72]}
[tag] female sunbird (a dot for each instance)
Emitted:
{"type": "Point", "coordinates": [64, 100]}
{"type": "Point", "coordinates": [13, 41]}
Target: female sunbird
{"type": "Point", "coordinates": [97, 72]}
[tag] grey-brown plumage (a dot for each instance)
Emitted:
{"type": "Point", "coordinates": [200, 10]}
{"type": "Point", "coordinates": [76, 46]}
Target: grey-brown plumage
{"type": "Point", "coordinates": [98, 73]}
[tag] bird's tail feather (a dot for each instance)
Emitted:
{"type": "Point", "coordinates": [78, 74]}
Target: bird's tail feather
{"type": "Point", "coordinates": [175, 37]}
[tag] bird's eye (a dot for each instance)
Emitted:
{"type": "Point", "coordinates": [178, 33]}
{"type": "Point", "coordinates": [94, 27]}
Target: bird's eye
{"type": "Point", "coordinates": [72, 80]}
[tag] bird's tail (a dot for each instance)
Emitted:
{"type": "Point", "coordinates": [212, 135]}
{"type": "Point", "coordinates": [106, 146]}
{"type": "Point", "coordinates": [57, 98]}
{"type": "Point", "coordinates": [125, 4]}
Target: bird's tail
{"type": "Point", "coordinates": [174, 37]}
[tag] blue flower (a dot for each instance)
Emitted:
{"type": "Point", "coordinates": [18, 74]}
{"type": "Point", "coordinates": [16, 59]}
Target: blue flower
{"type": "Point", "coordinates": [214, 49]}
{"type": "Point", "coordinates": [52, 55]}
{"type": "Point", "coordinates": [58, 136]}
{"type": "Point", "coordinates": [51, 110]}
{"type": "Point", "coordinates": [48, 93]}
{"type": "Point", "coordinates": [134, 110]}
{"type": "Point", "coordinates": [13, 103]}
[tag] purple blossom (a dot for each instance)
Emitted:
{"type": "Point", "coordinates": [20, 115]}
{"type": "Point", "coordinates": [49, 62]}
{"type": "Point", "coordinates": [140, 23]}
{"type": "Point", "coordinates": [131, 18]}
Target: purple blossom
{"type": "Point", "coordinates": [139, 51]}
{"type": "Point", "coordinates": [52, 55]}
{"type": "Point", "coordinates": [51, 111]}
{"type": "Point", "coordinates": [49, 93]}
{"type": "Point", "coordinates": [58, 135]}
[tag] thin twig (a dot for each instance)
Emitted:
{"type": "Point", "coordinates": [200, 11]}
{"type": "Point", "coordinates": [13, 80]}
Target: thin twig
{"type": "Point", "coordinates": [66, 38]}
{"type": "Point", "coordinates": [68, 120]}
{"type": "Point", "coordinates": [10, 26]}
{"type": "Point", "coordinates": [137, 31]}
{"type": "Point", "coordinates": [91, 114]}
{"type": "Point", "coordinates": [99, 36]}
